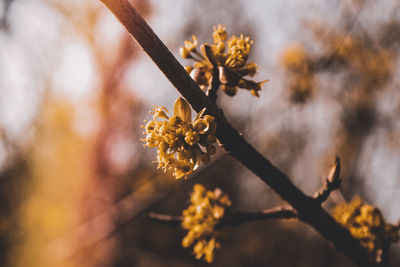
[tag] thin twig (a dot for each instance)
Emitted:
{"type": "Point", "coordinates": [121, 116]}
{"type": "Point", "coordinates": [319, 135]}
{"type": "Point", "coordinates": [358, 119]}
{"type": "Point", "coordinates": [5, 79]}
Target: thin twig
{"type": "Point", "coordinates": [233, 142]}
{"type": "Point", "coordinates": [239, 218]}
{"type": "Point", "coordinates": [233, 218]}
{"type": "Point", "coordinates": [331, 183]}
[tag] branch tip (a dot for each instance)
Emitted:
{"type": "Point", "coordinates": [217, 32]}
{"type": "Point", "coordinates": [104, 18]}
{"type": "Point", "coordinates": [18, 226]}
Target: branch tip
{"type": "Point", "coordinates": [332, 182]}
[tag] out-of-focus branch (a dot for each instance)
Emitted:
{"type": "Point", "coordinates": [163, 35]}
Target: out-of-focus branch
{"type": "Point", "coordinates": [106, 224]}
{"type": "Point", "coordinates": [233, 142]}
{"type": "Point", "coordinates": [331, 183]}
{"type": "Point", "coordinates": [234, 218]}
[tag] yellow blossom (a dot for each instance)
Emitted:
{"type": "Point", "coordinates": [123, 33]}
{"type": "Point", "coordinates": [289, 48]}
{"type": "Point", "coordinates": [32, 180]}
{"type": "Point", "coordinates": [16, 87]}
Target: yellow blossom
{"type": "Point", "coordinates": [206, 210]}
{"type": "Point", "coordinates": [219, 33]}
{"type": "Point", "coordinates": [367, 225]}
{"type": "Point", "coordinates": [232, 65]}
{"type": "Point", "coordinates": [182, 142]}
{"type": "Point", "coordinates": [190, 46]}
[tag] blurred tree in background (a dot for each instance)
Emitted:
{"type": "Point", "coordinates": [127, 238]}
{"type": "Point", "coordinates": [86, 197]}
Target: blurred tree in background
{"type": "Point", "coordinates": [76, 182]}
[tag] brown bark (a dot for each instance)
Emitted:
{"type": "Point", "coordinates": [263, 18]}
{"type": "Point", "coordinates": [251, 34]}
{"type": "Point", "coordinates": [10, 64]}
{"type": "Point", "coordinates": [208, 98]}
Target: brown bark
{"type": "Point", "coordinates": [233, 218]}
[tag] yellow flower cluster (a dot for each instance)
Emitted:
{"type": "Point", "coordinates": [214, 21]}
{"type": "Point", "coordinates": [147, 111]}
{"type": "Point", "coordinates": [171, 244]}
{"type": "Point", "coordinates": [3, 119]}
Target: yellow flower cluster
{"type": "Point", "coordinates": [231, 65]}
{"type": "Point", "coordinates": [367, 225]}
{"type": "Point", "coordinates": [179, 139]}
{"type": "Point", "coordinates": [200, 219]}
{"type": "Point", "coordinates": [301, 77]}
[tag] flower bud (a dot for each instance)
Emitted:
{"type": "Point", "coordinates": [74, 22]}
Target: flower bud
{"type": "Point", "coordinates": [184, 52]}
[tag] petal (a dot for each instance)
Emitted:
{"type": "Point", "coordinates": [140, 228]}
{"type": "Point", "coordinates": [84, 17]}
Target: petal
{"type": "Point", "coordinates": [184, 52]}
{"type": "Point", "coordinates": [199, 114]}
{"type": "Point", "coordinates": [196, 157]}
{"type": "Point", "coordinates": [182, 110]}
{"type": "Point", "coordinates": [208, 53]}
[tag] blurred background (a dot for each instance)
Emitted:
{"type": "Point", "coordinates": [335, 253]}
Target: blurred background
{"type": "Point", "coordinates": [76, 182]}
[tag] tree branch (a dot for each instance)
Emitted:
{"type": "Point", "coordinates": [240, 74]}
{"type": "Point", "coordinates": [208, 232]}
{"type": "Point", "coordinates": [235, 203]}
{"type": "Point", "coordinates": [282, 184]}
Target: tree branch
{"type": "Point", "coordinates": [234, 218]}
{"type": "Point", "coordinates": [233, 142]}
{"type": "Point", "coordinates": [239, 218]}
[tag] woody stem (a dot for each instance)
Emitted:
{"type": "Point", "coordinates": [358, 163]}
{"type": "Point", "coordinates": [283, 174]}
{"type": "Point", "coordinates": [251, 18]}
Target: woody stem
{"type": "Point", "coordinates": [233, 219]}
